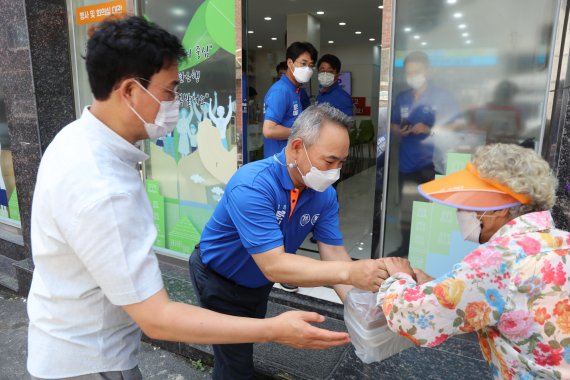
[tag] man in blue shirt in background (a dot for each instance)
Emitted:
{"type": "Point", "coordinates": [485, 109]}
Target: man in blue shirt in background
{"type": "Point", "coordinates": [281, 69]}
{"type": "Point", "coordinates": [267, 210]}
{"type": "Point", "coordinates": [415, 113]}
{"type": "Point", "coordinates": [330, 91]}
{"type": "Point", "coordinates": [282, 101]}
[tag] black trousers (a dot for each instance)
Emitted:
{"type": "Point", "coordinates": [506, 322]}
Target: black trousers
{"type": "Point", "coordinates": [231, 361]}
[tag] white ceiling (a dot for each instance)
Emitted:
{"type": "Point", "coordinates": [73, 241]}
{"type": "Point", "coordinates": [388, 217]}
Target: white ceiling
{"type": "Point", "coordinates": [359, 15]}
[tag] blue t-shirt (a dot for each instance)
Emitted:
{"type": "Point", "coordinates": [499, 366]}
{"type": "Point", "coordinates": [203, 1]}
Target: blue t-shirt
{"type": "Point", "coordinates": [336, 97]}
{"type": "Point", "coordinates": [434, 106]}
{"type": "Point", "coordinates": [253, 217]}
{"type": "Point", "coordinates": [282, 105]}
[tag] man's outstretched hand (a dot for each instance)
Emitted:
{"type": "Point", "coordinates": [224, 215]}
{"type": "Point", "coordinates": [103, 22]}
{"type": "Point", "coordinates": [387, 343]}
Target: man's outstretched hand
{"type": "Point", "coordinates": [294, 329]}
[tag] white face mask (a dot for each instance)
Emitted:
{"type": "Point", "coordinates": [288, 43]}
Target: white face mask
{"type": "Point", "coordinates": [470, 225]}
{"type": "Point", "coordinates": [319, 180]}
{"type": "Point", "coordinates": [302, 74]}
{"type": "Point", "coordinates": [165, 120]}
{"type": "Point", "coordinates": [326, 79]}
{"type": "Point", "coordinates": [416, 81]}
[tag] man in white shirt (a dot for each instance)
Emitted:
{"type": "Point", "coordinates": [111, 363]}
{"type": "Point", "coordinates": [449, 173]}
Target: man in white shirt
{"type": "Point", "coordinates": [96, 275]}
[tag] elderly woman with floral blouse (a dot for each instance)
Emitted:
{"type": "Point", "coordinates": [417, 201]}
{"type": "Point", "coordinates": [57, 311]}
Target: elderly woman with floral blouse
{"type": "Point", "coordinates": [513, 290]}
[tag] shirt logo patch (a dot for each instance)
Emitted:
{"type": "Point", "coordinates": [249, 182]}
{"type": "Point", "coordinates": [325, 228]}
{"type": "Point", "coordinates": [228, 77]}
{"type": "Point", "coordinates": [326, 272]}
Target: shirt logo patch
{"type": "Point", "coordinates": [280, 214]}
{"type": "Point", "coordinates": [306, 218]}
{"type": "Point", "coordinates": [295, 109]}
{"type": "Point", "coordinates": [315, 218]}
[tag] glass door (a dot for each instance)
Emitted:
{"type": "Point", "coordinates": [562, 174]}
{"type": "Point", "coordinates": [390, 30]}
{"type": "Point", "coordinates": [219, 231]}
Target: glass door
{"type": "Point", "coordinates": [464, 74]}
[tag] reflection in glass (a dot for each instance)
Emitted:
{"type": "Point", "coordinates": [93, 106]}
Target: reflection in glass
{"type": "Point", "coordinates": [483, 78]}
{"type": "Point", "coordinates": [9, 209]}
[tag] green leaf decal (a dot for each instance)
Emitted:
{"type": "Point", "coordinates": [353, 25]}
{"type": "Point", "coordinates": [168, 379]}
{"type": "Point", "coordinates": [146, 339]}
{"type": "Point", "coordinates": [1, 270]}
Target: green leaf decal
{"type": "Point", "coordinates": [221, 23]}
{"type": "Point", "coordinates": [197, 42]}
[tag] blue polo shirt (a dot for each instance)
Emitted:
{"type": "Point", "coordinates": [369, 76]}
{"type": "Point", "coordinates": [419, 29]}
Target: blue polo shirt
{"type": "Point", "coordinates": [253, 217]}
{"type": "Point", "coordinates": [336, 97]}
{"type": "Point", "coordinates": [434, 106]}
{"type": "Point", "coordinates": [282, 105]}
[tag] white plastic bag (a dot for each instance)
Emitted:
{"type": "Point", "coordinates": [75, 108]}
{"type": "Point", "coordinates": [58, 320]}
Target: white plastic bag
{"type": "Point", "coordinates": [372, 339]}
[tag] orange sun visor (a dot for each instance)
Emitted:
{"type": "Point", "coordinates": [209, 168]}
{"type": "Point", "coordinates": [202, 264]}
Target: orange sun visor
{"type": "Point", "coordinates": [466, 190]}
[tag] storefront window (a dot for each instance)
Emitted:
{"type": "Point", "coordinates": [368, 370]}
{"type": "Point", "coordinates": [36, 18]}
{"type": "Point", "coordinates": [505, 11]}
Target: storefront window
{"type": "Point", "coordinates": [83, 15]}
{"type": "Point", "coordinates": [464, 74]}
{"type": "Point", "coordinates": [188, 170]}
{"type": "Point", "coordinates": [9, 209]}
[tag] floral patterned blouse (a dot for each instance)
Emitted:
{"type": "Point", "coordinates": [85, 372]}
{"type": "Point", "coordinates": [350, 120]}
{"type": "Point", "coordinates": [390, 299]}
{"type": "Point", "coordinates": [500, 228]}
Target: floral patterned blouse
{"type": "Point", "coordinates": [513, 291]}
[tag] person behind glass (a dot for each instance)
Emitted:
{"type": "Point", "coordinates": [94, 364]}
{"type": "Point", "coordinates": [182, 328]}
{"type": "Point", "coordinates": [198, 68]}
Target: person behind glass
{"type": "Point", "coordinates": [282, 103]}
{"type": "Point", "coordinates": [267, 210]}
{"type": "Point", "coordinates": [281, 69]}
{"type": "Point", "coordinates": [96, 281]}
{"type": "Point", "coordinates": [415, 113]}
{"type": "Point", "coordinates": [513, 289]}
{"type": "Point", "coordinates": [329, 88]}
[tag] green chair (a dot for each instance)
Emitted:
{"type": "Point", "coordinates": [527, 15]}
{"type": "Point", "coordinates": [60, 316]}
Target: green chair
{"type": "Point", "coordinates": [366, 136]}
{"type": "Point", "coordinates": [354, 153]}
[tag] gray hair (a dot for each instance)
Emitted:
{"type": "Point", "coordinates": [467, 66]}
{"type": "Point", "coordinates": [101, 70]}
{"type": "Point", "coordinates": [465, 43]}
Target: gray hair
{"type": "Point", "coordinates": [520, 169]}
{"type": "Point", "coordinates": [308, 124]}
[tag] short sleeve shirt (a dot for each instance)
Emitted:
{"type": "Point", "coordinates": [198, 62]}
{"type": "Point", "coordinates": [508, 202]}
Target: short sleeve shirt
{"type": "Point", "coordinates": [336, 97]}
{"type": "Point", "coordinates": [254, 216]}
{"type": "Point", "coordinates": [435, 106]}
{"type": "Point", "coordinates": [92, 236]}
{"type": "Point", "coordinates": [282, 105]}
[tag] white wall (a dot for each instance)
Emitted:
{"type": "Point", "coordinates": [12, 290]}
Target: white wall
{"type": "Point", "coordinates": [265, 62]}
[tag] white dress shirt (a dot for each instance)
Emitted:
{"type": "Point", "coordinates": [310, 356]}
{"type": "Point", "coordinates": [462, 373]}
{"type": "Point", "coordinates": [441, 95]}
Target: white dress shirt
{"type": "Point", "coordinates": [92, 237]}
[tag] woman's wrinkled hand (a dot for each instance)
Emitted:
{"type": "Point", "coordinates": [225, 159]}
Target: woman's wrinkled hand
{"type": "Point", "coordinates": [398, 265]}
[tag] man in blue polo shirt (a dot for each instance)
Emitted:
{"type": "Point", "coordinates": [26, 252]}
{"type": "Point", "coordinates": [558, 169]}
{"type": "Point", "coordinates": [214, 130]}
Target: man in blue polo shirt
{"type": "Point", "coordinates": [281, 69]}
{"type": "Point", "coordinates": [282, 101]}
{"type": "Point", "coordinates": [267, 210]}
{"type": "Point", "coordinates": [415, 113]}
{"type": "Point", "coordinates": [330, 91]}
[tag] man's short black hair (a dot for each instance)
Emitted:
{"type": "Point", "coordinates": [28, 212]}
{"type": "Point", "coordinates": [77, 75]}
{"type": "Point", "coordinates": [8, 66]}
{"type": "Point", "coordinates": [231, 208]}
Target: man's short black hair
{"type": "Point", "coordinates": [281, 66]}
{"type": "Point", "coordinates": [417, 57]}
{"type": "Point", "coordinates": [331, 60]}
{"type": "Point", "coordinates": [298, 48]}
{"type": "Point", "coordinates": [125, 48]}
